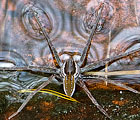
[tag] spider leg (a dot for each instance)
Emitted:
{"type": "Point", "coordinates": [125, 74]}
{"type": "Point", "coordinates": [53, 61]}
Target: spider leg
{"type": "Point", "coordinates": [101, 63]}
{"type": "Point", "coordinates": [32, 68]}
{"type": "Point", "coordinates": [54, 52]}
{"type": "Point", "coordinates": [84, 54]}
{"type": "Point", "coordinates": [82, 84]}
{"type": "Point", "coordinates": [113, 82]}
{"type": "Point", "coordinates": [45, 70]}
{"type": "Point", "coordinates": [30, 96]}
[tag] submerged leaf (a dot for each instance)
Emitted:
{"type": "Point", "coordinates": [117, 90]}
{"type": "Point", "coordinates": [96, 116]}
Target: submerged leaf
{"type": "Point", "coordinates": [51, 92]}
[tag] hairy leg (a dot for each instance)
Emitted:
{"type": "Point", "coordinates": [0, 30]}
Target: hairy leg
{"type": "Point", "coordinates": [32, 68]}
{"type": "Point", "coordinates": [84, 54]}
{"type": "Point", "coordinates": [82, 84]}
{"type": "Point", "coordinates": [54, 52]}
{"type": "Point", "coordinates": [101, 63]}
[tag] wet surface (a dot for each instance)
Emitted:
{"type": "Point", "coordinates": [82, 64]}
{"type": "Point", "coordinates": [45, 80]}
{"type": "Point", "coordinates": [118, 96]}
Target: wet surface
{"type": "Point", "coordinates": [68, 24]}
{"type": "Point", "coordinates": [120, 104]}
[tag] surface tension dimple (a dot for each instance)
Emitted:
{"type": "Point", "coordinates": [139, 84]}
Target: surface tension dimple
{"type": "Point", "coordinates": [104, 22]}
{"type": "Point", "coordinates": [30, 23]}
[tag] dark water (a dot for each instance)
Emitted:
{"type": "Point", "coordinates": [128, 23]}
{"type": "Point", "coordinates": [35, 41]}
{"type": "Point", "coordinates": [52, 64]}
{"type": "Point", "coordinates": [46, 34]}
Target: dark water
{"type": "Point", "coordinates": [22, 44]}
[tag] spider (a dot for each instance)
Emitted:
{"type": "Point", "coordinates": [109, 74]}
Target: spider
{"type": "Point", "coordinates": [71, 72]}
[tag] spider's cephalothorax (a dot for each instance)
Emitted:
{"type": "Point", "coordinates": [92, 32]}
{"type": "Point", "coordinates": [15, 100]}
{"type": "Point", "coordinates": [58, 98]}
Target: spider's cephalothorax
{"type": "Point", "coordinates": [70, 73]}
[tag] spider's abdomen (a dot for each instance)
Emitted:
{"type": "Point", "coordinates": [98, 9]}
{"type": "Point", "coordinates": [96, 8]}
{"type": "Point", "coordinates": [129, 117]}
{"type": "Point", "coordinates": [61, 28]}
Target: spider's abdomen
{"type": "Point", "coordinates": [69, 85]}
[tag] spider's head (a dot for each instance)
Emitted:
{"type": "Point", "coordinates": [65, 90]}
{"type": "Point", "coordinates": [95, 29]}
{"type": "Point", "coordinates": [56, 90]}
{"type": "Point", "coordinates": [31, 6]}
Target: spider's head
{"type": "Point", "coordinates": [70, 73]}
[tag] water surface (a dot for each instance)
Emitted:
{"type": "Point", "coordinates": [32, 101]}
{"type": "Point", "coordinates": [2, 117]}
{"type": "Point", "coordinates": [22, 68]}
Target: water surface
{"type": "Point", "coordinates": [21, 44]}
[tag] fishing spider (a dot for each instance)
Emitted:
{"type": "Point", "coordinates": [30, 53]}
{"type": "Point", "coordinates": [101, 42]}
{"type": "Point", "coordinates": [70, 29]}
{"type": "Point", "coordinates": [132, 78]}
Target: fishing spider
{"type": "Point", "coordinates": [71, 72]}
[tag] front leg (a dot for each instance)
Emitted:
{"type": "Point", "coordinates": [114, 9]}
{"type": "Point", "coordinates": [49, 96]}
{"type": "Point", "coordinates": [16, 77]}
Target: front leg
{"type": "Point", "coordinates": [93, 30]}
{"type": "Point", "coordinates": [52, 48]}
